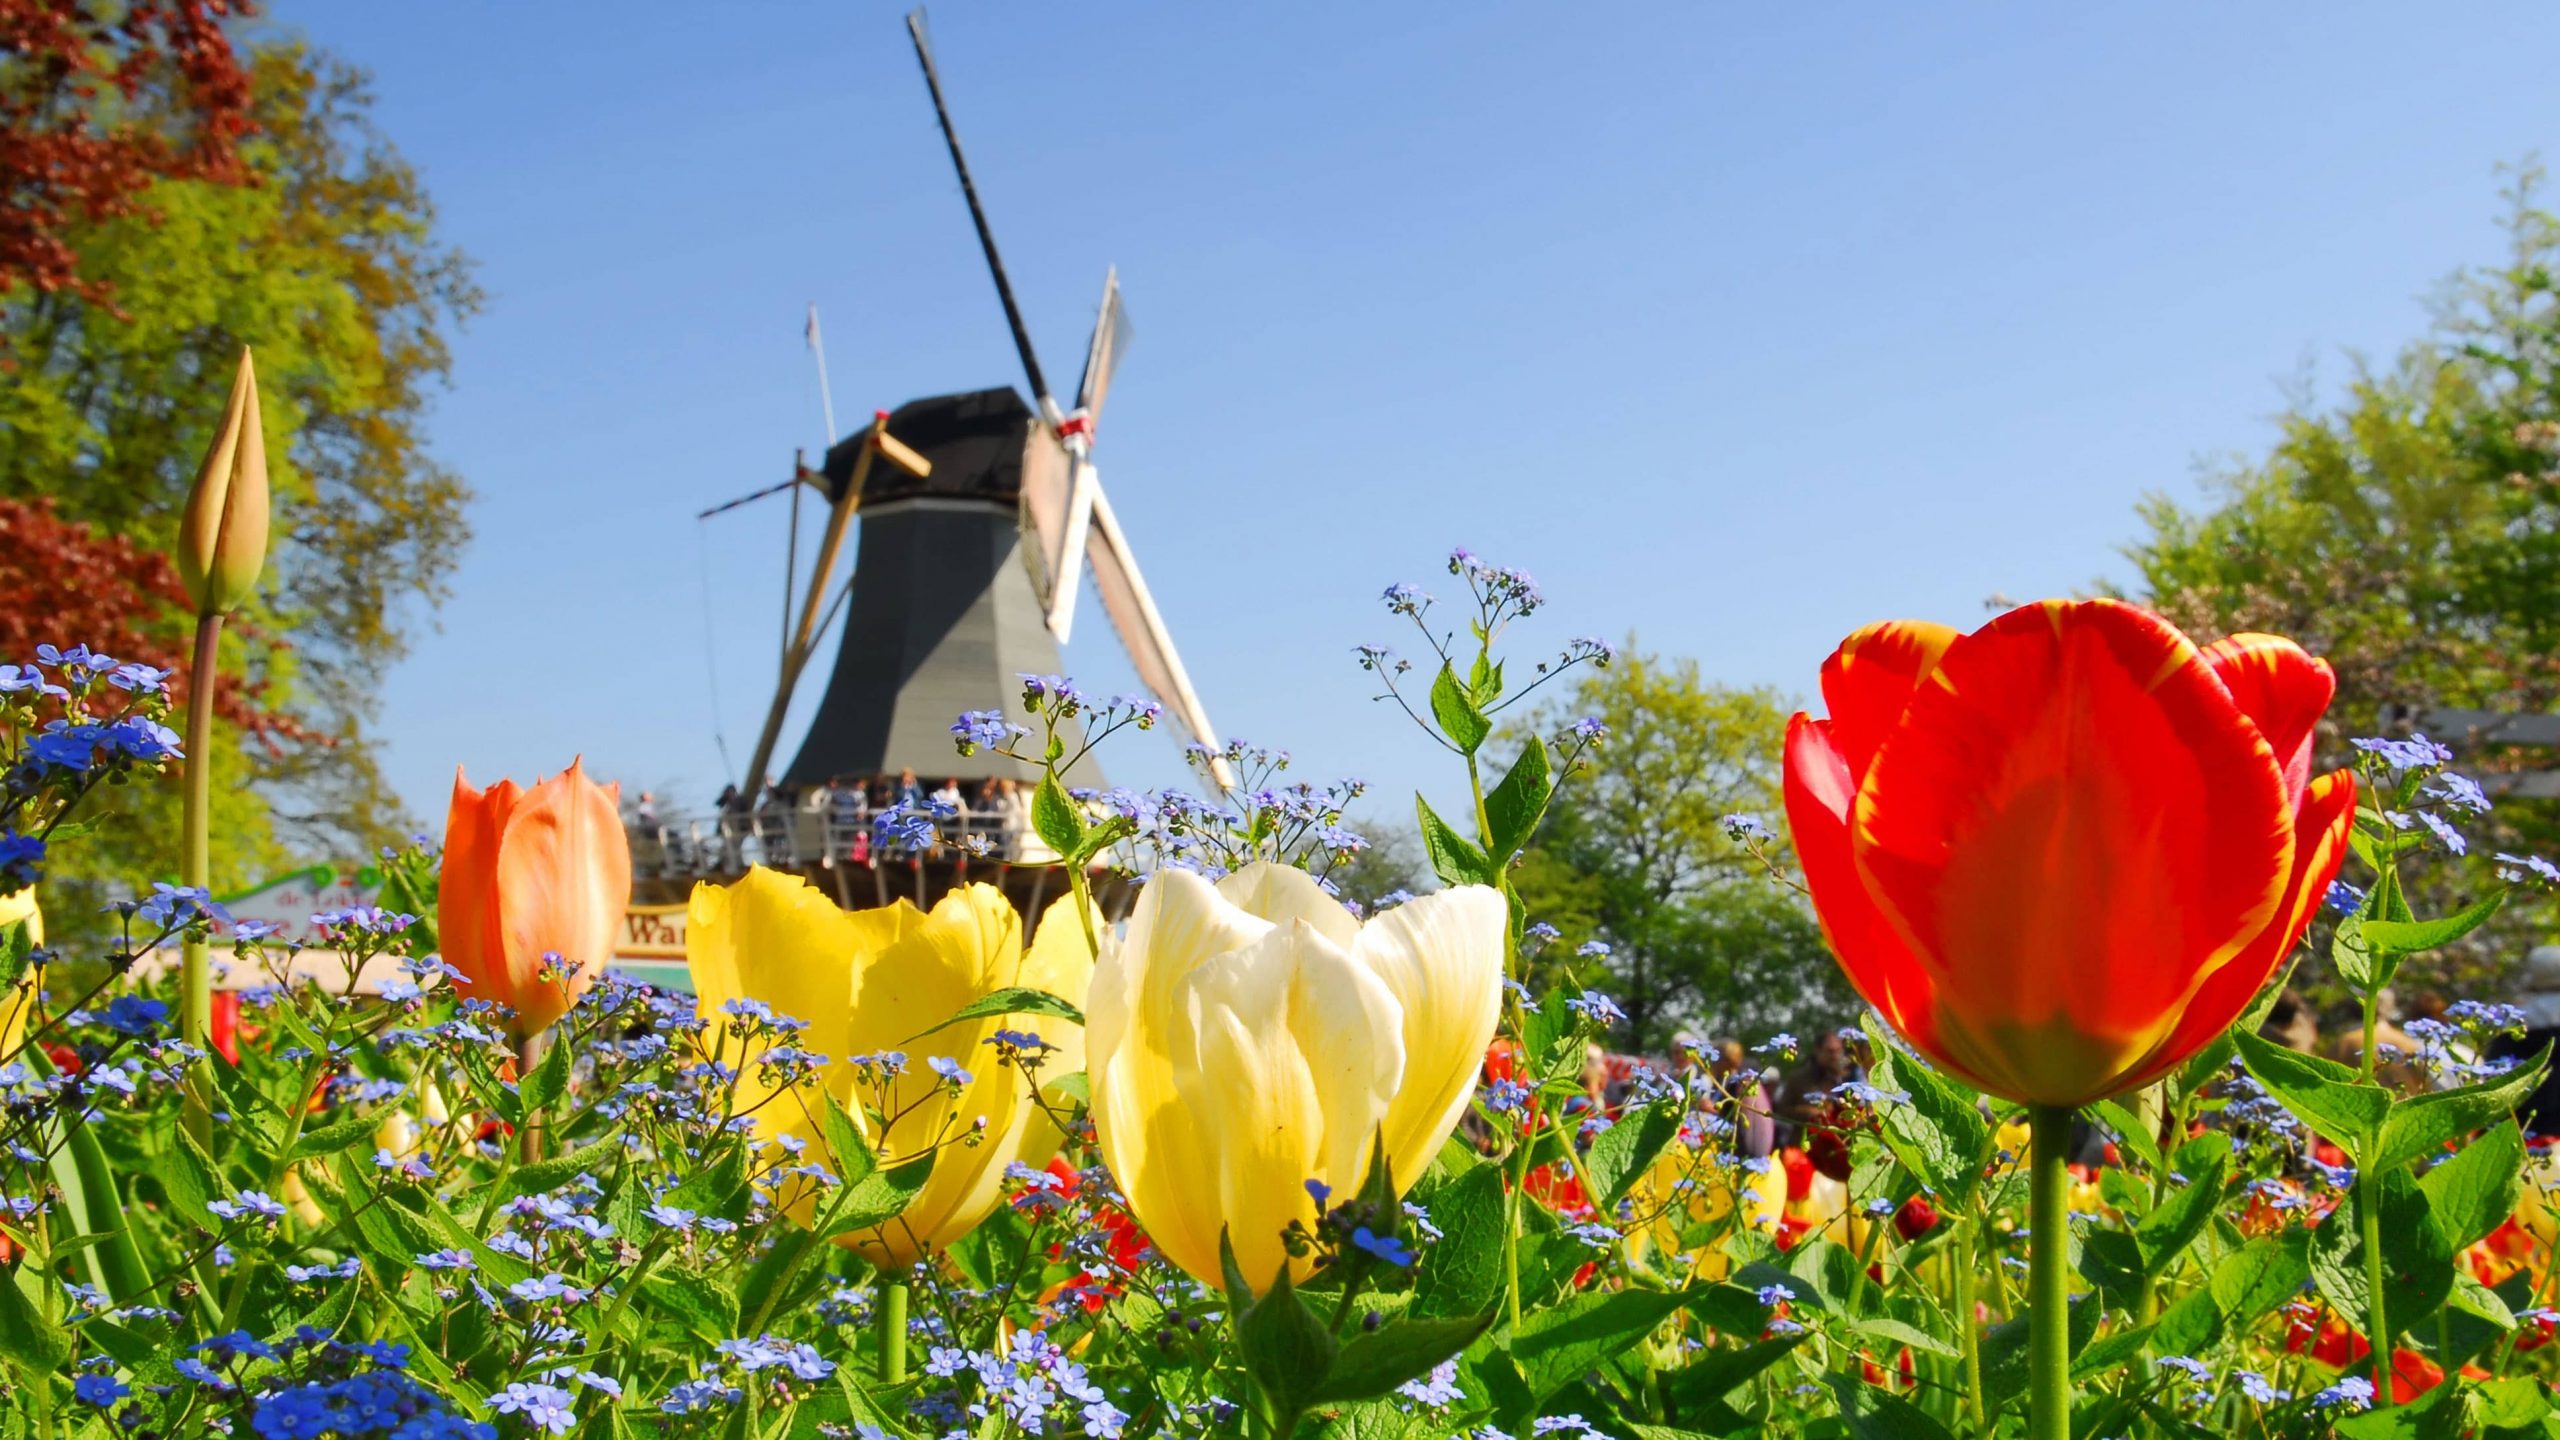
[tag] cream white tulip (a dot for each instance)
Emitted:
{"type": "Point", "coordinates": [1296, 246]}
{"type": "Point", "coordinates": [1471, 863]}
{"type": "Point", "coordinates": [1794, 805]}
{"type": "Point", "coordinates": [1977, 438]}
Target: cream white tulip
{"type": "Point", "coordinates": [1249, 1036]}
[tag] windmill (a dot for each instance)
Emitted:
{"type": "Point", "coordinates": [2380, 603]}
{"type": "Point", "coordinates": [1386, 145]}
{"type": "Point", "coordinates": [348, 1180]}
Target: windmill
{"type": "Point", "coordinates": [974, 541]}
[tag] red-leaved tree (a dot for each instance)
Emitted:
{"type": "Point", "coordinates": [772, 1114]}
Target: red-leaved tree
{"type": "Point", "coordinates": [81, 138]}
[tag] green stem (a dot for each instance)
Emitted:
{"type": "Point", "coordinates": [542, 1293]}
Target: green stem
{"type": "Point", "coordinates": [893, 1333]}
{"type": "Point", "coordinates": [2378, 1331]}
{"type": "Point", "coordinates": [2049, 1275]}
{"type": "Point", "coordinates": [1969, 1326]}
{"type": "Point", "coordinates": [195, 867]}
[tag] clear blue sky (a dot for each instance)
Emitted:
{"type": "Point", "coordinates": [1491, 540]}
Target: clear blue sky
{"type": "Point", "coordinates": [1737, 328]}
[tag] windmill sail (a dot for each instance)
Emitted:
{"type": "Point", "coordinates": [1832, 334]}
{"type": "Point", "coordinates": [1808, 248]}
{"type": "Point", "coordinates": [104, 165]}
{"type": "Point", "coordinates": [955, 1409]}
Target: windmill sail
{"type": "Point", "coordinates": [1132, 608]}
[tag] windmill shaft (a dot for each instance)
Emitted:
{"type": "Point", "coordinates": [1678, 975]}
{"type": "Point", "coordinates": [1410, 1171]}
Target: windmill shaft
{"type": "Point", "coordinates": [795, 650]}
{"type": "Point", "coordinates": [978, 216]}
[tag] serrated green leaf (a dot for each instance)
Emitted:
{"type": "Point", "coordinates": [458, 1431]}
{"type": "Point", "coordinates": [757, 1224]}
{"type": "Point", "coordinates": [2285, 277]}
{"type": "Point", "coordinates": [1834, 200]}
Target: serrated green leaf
{"type": "Point", "coordinates": [1460, 1273]}
{"type": "Point", "coordinates": [2165, 1233]}
{"type": "Point", "coordinates": [879, 1198]}
{"type": "Point", "coordinates": [854, 1159]}
{"type": "Point", "coordinates": [1938, 1132]}
{"type": "Point", "coordinates": [549, 1080]}
{"type": "Point", "coordinates": [2325, 1095]}
{"type": "Point", "coordinates": [1373, 1363]}
{"type": "Point", "coordinates": [2474, 1192]}
{"type": "Point", "coordinates": [1514, 807]}
{"type": "Point", "coordinates": [2431, 1121]}
{"type": "Point", "coordinates": [32, 1344]}
{"type": "Point", "coordinates": [1055, 817]}
{"type": "Point", "coordinates": [1626, 1150]}
{"type": "Point", "coordinates": [329, 1139]}
{"type": "Point", "coordinates": [1460, 720]}
{"type": "Point", "coordinates": [1454, 858]}
{"type": "Point", "coordinates": [540, 1177]}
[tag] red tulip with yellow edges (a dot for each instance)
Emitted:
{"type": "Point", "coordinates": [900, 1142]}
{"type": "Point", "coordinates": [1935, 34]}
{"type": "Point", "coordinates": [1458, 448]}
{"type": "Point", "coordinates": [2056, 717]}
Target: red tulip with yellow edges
{"type": "Point", "coordinates": [2063, 853]}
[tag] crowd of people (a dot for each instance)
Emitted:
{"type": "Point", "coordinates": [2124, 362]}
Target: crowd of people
{"type": "Point", "coordinates": [848, 819]}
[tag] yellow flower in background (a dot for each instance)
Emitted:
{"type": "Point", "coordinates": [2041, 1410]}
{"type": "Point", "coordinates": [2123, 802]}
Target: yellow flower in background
{"type": "Point", "coordinates": [1251, 1036]}
{"type": "Point", "coordinates": [1686, 1188]}
{"type": "Point", "coordinates": [866, 982]}
{"type": "Point", "coordinates": [19, 908]}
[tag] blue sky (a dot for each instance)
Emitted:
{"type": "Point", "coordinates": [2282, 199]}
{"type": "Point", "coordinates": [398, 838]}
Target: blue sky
{"type": "Point", "coordinates": [1736, 328]}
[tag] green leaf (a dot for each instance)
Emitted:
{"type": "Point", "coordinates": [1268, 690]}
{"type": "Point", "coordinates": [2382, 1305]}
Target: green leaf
{"type": "Point", "coordinates": [2410, 937]}
{"type": "Point", "coordinates": [855, 1162]}
{"type": "Point", "coordinates": [1625, 1151]}
{"type": "Point", "coordinates": [1715, 1374]}
{"type": "Point", "coordinates": [2352, 954]}
{"type": "Point", "coordinates": [717, 1189]}
{"type": "Point", "coordinates": [1373, 1363]}
{"type": "Point", "coordinates": [1459, 718]}
{"type": "Point", "coordinates": [329, 1139]}
{"type": "Point", "coordinates": [541, 1177]}
{"type": "Point", "coordinates": [1286, 1348]}
{"type": "Point", "coordinates": [2324, 1094]}
{"type": "Point", "coordinates": [2129, 1130]}
{"type": "Point", "coordinates": [192, 1181]}
{"type": "Point", "coordinates": [2432, 1121]}
{"type": "Point", "coordinates": [1876, 1414]}
{"type": "Point", "coordinates": [2166, 1232]}
{"type": "Point", "coordinates": [1555, 1346]}
{"type": "Point", "coordinates": [2246, 1284]}
{"type": "Point", "coordinates": [2004, 1348]}
{"type": "Point", "coordinates": [695, 1302]}
{"type": "Point", "coordinates": [1454, 858]}
{"type": "Point", "coordinates": [1015, 1000]}
{"type": "Point", "coordinates": [1461, 1272]}
{"type": "Point", "coordinates": [2417, 1256]}
{"type": "Point", "coordinates": [1055, 817]}
{"type": "Point", "coordinates": [2474, 1192]}
{"type": "Point", "coordinates": [879, 1198]}
{"type": "Point", "coordinates": [1897, 1332]}
{"type": "Point", "coordinates": [1514, 807]}
{"type": "Point", "coordinates": [32, 1344]}
{"type": "Point", "coordinates": [549, 1079]}
{"type": "Point", "coordinates": [1938, 1133]}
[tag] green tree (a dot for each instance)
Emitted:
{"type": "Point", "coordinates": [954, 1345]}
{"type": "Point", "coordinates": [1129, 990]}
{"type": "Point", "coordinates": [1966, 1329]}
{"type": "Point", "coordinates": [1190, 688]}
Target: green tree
{"type": "Point", "coordinates": [327, 262]}
{"type": "Point", "coordinates": [1636, 857]}
{"type": "Point", "coordinates": [2409, 532]}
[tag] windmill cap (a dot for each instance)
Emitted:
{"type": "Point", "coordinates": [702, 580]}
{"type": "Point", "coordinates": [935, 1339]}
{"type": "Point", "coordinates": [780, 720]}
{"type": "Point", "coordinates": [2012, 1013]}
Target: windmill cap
{"type": "Point", "coordinates": [2542, 968]}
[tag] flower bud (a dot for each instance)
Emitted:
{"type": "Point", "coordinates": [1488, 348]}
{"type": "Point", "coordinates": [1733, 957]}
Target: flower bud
{"type": "Point", "coordinates": [222, 540]}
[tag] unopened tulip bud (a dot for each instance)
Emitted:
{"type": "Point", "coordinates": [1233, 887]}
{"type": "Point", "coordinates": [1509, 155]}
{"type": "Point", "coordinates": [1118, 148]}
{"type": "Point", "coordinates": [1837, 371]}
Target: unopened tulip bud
{"type": "Point", "coordinates": [222, 541]}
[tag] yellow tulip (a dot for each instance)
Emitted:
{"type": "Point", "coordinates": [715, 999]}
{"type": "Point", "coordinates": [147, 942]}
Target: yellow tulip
{"type": "Point", "coordinates": [16, 908]}
{"type": "Point", "coordinates": [398, 1134]}
{"type": "Point", "coordinates": [1251, 1036]}
{"type": "Point", "coordinates": [1686, 1188]}
{"type": "Point", "coordinates": [866, 982]}
{"type": "Point", "coordinates": [2535, 1209]}
{"type": "Point", "coordinates": [297, 1198]}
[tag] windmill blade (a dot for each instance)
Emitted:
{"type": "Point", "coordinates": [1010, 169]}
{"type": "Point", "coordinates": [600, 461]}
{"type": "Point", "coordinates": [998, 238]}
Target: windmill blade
{"type": "Point", "coordinates": [1084, 497]}
{"type": "Point", "coordinates": [1110, 338]}
{"type": "Point", "coordinates": [1040, 396]}
{"type": "Point", "coordinates": [1124, 596]}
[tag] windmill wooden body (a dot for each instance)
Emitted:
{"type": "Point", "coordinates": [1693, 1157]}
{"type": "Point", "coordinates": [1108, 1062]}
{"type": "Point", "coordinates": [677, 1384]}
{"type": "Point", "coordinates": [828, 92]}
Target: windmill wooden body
{"type": "Point", "coordinates": [979, 514]}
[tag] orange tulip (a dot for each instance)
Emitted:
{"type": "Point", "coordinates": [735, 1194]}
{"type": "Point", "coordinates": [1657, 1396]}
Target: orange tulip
{"type": "Point", "coordinates": [534, 887]}
{"type": "Point", "coordinates": [2063, 853]}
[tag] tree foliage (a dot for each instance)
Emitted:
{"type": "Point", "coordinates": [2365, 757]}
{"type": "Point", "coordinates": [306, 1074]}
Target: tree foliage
{"type": "Point", "coordinates": [98, 102]}
{"type": "Point", "coordinates": [327, 262]}
{"type": "Point", "coordinates": [2409, 531]}
{"type": "Point", "coordinates": [1636, 857]}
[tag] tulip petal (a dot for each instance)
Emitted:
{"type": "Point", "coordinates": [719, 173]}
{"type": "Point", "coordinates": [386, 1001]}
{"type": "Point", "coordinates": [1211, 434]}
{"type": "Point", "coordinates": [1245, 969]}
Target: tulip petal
{"type": "Point", "coordinates": [1142, 1053]}
{"type": "Point", "coordinates": [1282, 893]}
{"type": "Point", "coordinates": [2319, 848]}
{"type": "Point", "coordinates": [563, 882]}
{"type": "Point", "coordinates": [468, 933]}
{"type": "Point", "coordinates": [776, 938]}
{"type": "Point", "coordinates": [1819, 796]}
{"type": "Point", "coordinates": [1300, 1052]}
{"type": "Point", "coordinates": [2072, 798]}
{"type": "Point", "coordinates": [1441, 957]}
{"type": "Point", "coordinates": [2280, 687]}
{"type": "Point", "coordinates": [1868, 682]}
{"type": "Point", "coordinates": [969, 945]}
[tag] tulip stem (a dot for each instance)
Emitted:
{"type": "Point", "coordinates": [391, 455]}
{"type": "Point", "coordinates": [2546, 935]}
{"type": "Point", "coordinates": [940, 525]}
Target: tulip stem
{"type": "Point", "coordinates": [1968, 1325]}
{"type": "Point", "coordinates": [195, 867]}
{"type": "Point", "coordinates": [2049, 1274]}
{"type": "Point", "coordinates": [893, 1332]}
